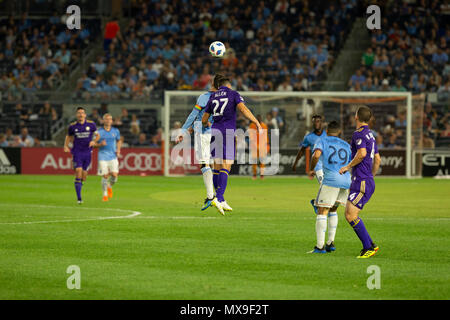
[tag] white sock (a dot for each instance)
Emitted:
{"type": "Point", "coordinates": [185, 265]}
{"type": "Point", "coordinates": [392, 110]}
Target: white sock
{"type": "Point", "coordinates": [321, 228]}
{"type": "Point", "coordinates": [105, 186]}
{"type": "Point", "coordinates": [332, 225]}
{"type": "Point", "coordinates": [208, 180]}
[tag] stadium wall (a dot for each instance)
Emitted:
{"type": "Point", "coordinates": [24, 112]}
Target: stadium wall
{"type": "Point", "coordinates": [149, 161]}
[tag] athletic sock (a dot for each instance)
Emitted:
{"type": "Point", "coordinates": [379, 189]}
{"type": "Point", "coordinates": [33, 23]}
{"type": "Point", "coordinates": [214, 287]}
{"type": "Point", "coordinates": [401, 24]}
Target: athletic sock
{"type": "Point", "coordinates": [332, 225]}
{"type": "Point", "coordinates": [105, 186]}
{"type": "Point", "coordinates": [321, 228]}
{"type": "Point", "coordinates": [215, 178]}
{"type": "Point", "coordinates": [78, 185]}
{"type": "Point", "coordinates": [112, 181]}
{"type": "Point", "coordinates": [221, 184]}
{"type": "Point", "coordinates": [361, 232]}
{"type": "Point", "coordinates": [208, 181]}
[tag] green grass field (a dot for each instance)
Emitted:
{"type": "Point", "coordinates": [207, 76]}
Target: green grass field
{"type": "Point", "coordinates": [172, 250]}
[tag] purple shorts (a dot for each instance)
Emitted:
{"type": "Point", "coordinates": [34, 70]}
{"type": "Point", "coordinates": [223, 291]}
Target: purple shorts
{"type": "Point", "coordinates": [361, 191]}
{"type": "Point", "coordinates": [223, 145]}
{"type": "Point", "coordinates": [81, 160]}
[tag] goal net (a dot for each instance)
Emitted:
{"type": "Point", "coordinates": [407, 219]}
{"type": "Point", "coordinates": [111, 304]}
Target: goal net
{"type": "Point", "coordinates": [397, 125]}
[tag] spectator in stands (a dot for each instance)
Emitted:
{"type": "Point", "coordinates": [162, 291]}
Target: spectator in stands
{"type": "Point", "coordinates": [95, 116]}
{"type": "Point", "coordinates": [9, 135]}
{"type": "Point", "coordinates": [379, 140]}
{"type": "Point", "coordinates": [176, 131]}
{"type": "Point", "coordinates": [3, 141]}
{"type": "Point", "coordinates": [17, 142]}
{"type": "Point", "coordinates": [427, 142]}
{"type": "Point", "coordinates": [154, 142]}
{"type": "Point", "coordinates": [141, 141]}
{"type": "Point", "coordinates": [48, 112]}
{"type": "Point", "coordinates": [401, 119]}
{"type": "Point", "coordinates": [278, 118]}
{"type": "Point", "coordinates": [392, 141]}
{"type": "Point", "coordinates": [103, 109]}
{"type": "Point", "coordinates": [271, 121]}
{"type": "Point", "coordinates": [26, 139]}
{"type": "Point", "coordinates": [112, 30]}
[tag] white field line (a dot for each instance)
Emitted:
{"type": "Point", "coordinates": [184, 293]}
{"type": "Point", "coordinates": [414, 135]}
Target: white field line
{"type": "Point", "coordinates": [132, 215]}
{"type": "Point", "coordinates": [283, 218]}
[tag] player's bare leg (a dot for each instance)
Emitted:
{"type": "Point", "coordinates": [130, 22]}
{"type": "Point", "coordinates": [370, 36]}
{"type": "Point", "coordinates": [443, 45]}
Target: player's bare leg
{"type": "Point", "coordinates": [352, 217]}
{"type": "Point", "coordinates": [105, 186]}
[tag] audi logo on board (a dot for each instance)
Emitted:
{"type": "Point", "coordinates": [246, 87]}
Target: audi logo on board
{"type": "Point", "coordinates": [140, 161]}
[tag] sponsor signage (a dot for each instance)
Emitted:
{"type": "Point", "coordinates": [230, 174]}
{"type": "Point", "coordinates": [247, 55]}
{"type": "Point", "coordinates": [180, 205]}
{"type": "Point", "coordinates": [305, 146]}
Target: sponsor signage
{"type": "Point", "coordinates": [10, 161]}
{"type": "Point", "coordinates": [435, 163]}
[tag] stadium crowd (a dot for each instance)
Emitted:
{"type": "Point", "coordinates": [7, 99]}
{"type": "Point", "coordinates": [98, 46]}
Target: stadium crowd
{"type": "Point", "coordinates": [271, 45]}
{"type": "Point", "coordinates": [411, 51]}
{"type": "Point", "coordinates": [36, 53]}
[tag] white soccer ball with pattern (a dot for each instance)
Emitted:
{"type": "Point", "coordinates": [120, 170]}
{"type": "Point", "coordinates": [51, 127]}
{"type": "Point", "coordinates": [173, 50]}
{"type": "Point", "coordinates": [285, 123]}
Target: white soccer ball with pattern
{"type": "Point", "coordinates": [217, 49]}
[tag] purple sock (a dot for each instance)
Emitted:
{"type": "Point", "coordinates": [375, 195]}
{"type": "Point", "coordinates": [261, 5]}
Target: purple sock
{"type": "Point", "coordinates": [78, 185]}
{"type": "Point", "coordinates": [221, 184]}
{"type": "Point", "coordinates": [361, 232]}
{"type": "Point", "coordinates": [215, 178]}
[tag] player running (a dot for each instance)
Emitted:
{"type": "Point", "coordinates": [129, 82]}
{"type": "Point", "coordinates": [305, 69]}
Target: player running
{"type": "Point", "coordinates": [222, 106]}
{"type": "Point", "coordinates": [80, 134]}
{"type": "Point", "coordinates": [109, 143]}
{"type": "Point", "coordinates": [365, 163]}
{"type": "Point", "coordinates": [309, 142]}
{"type": "Point", "coordinates": [333, 192]}
{"type": "Point", "coordinates": [202, 145]}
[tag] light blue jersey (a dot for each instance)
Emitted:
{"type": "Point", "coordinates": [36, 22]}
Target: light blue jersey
{"type": "Point", "coordinates": [108, 152]}
{"type": "Point", "coordinates": [309, 141]}
{"type": "Point", "coordinates": [197, 114]}
{"type": "Point", "coordinates": [336, 153]}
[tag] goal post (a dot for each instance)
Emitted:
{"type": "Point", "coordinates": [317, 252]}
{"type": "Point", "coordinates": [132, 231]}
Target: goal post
{"type": "Point", "coordinates": [296, 109]}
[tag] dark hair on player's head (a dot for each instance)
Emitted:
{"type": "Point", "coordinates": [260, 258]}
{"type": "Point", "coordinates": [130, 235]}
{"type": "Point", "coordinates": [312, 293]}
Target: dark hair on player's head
{"type": "Point", "coordinates": [216, 80]}
{"type": "Point", "coordinates": [223, 81]}
{"type": "Point", "coordinates": [364, 114]}
{"type": "Point", "coordinates": [81, 108]}
{"type": "Point", "coordinates": [317, 116]}
{"type": "Point", "coordinates": [333, 127]}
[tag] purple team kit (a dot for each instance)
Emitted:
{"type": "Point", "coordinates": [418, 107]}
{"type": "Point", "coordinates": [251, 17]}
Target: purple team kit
{"type": "Point", "coordinates": [222, 105]}
{"type": "Point", "coordinates": [81, 151]}
{"type": "Point", "coordinates": [363, 184]}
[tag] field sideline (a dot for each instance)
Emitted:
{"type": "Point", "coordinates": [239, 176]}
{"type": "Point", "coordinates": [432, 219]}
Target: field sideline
{"type": "Point", "coordinates": [151, 241]}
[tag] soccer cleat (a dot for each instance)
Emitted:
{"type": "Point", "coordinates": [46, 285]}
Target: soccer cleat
{"type": "Point", "coordinates": [330, 247]}
{"type": "Point", "coordinates": [218, 205]}
{"type": "Point", "coordinates": [367, 253]}
{"type": "Point", "coordinates": [315, 208]}
{"type": "Point", "coordinates": [110, 193]}
{"type": "Point", "coordinates": [226, 206]}
{"type": "Point", "coordinates": [375, 247]}
{"type": "Point", "coordinates": [105, 198]}
{"type": "Point", "coordinates": [207, 203]}
{"type": "Point", "coordinates": [80, 201]}
{"type": "Point", "coordinates": [317, 250]}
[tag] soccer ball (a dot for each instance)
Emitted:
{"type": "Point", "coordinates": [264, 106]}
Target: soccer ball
{"type": "Point", "coordinates": [217, 49]}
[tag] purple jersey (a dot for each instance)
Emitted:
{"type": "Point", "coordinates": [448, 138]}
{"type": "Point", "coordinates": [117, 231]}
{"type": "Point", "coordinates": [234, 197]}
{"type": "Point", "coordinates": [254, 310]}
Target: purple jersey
{"type": "Point", "coordinates": [82, 134]}
{"type": "Point", "coordinates": [222, 105]}
{"type": "Point", "coordinates": [363, 138]}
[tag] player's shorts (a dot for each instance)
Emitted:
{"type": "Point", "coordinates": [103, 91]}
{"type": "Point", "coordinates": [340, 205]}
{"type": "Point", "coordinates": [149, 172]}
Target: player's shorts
{"type": "Point", "coordinates": [202, 148]}
{"type": "Point", "coordinates": [108, 166]}
{"type": "Point", "coordinates": [361, 191]}
{"type": "Point", "coordinates": [319, 176]}
{"type": "Point", "coordinates": [81, 160]}
{"type": "Point", "coordinates": [328, 196]}
{"type": "Point", "coordinates": [225, 149]}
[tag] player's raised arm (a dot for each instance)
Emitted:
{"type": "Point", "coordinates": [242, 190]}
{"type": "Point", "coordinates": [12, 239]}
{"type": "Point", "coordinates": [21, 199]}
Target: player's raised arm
{"type": "Point", "coordinates": [249, 115]}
